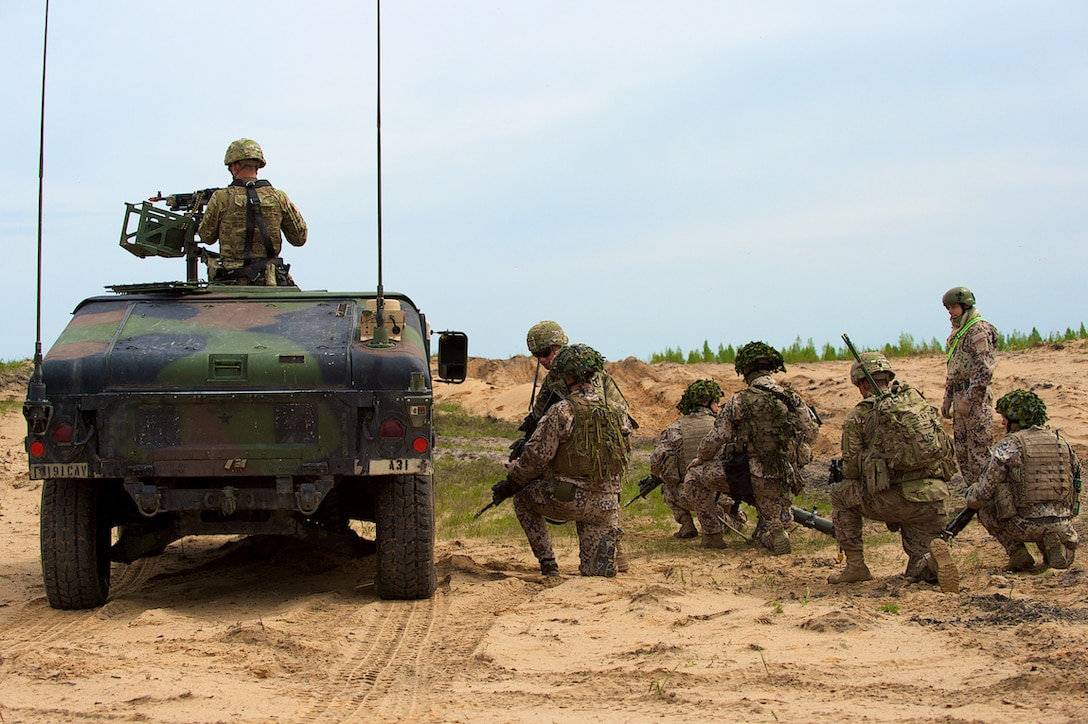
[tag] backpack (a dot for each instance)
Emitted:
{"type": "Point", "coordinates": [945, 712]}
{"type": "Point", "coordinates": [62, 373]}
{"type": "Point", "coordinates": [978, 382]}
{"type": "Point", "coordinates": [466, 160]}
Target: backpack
{"type": "Point", "coordinates": [906, 436]}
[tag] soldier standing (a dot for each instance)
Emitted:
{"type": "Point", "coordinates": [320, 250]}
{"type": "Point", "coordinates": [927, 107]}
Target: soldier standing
{"type": "Point", "coordinates": [1030, 489]}
{"type": "Point", "coordinates": [774, 428]}
{"type": "Point", "coordinates": [968, 400]}
{"type": "Point", "coordinates": [247, 219]}
{"type": "Point", "coordinates": [912, 502]}
{"type": "Point", "coordinates": [571, 468]}
{"type": "Point", "coordinates": [676, 447]}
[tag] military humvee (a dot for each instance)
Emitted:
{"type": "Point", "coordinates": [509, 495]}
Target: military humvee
{"type": "Point", "coordinates": [195, 408]}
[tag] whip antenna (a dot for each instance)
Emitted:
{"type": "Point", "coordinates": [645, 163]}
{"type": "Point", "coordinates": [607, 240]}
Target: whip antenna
{"type": "Point", "coordinates": [37, 388]}
{"type": "Point", "coordinates": [381, 334]}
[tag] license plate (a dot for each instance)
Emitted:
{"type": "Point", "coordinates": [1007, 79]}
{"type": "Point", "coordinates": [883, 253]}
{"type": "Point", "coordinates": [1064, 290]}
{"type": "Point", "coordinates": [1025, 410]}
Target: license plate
{"type": "Point", "coordinates": [46, 471]}
{"type": "Point", "coordinates": [400, 466]}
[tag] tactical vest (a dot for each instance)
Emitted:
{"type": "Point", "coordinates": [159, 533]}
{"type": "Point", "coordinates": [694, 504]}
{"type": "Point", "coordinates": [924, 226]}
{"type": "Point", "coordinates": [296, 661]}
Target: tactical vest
{"type": "Point", "coordinates": [772, 433]}
{"type": "Point", "coordinates": [1045, 473]}
{"type": "Point", "coordinates": [693, 428]}
{"type": "Point", "coordinates": [595, 452]}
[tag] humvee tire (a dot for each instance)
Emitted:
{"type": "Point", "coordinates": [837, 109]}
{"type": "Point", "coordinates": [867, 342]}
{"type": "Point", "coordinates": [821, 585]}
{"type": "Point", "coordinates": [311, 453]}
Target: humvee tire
{"type": "Point", "coordinates": [405, 538]}
{"type": "Point", "coordinates": [75, 544]}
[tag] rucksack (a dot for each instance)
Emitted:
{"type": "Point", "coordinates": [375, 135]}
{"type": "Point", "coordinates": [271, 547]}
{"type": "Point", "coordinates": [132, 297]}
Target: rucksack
{"type": "Point", "coordinates": [905, 432]}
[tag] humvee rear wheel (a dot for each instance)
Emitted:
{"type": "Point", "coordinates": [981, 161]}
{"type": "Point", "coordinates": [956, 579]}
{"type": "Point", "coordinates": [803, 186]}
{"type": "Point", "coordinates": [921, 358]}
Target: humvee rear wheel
{"type": "Point", "coordinates": [405, 538]}
{"type": "Point", "coordinates": [75, 544]}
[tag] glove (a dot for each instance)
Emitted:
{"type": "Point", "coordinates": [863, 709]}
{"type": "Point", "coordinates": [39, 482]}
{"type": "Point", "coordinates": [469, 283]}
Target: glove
{"type": "Point", "coordinates": [505, 488]}
{"type": "Point", "coordinates": [946, 408]}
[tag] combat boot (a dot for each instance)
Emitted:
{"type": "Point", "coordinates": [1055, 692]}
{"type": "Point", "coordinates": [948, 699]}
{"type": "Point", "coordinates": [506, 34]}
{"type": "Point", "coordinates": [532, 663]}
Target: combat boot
{"type": "Point", "coordinates": [1020, 559]}
{"type": "Point", "coordinates": [780, 542]}
{"type": "Point", "coordinates": [604, 563]}
{"type": "Point", "coordinates": [1054, 551]}
{"type": "Point", "coordinates": [549, 567]}
{"type": "Point", "coordinates": [713, 540]}
{"type": "Point", "coordinates": [942, 566]}
{"type": "Point", "coordinates": [855, 570]}
{"type": "Point", "coordinates": [687, 528]}
{"type": "Point", "coordinates": [622, 564]}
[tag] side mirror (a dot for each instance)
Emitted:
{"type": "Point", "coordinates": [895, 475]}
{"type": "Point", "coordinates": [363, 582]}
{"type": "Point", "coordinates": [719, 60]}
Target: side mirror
{"type": "Point", "coordinates": [452, 357]}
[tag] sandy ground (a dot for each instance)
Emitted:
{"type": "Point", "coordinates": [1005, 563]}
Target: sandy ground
{"type": "Point", "coordinates": [259, 629]}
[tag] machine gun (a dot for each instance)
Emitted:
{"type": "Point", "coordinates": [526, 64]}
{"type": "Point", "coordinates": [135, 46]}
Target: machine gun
{"type": "Point", "coordinates": [809, 519]}
{"type": "Point", "coordinates": [958, 523]}
{"type": "Point", "coordinates": [647, 485]}
{"type": "Point", "coordinates": [167, 233]}
{"type": "Point", "coordinates": [500, 491]}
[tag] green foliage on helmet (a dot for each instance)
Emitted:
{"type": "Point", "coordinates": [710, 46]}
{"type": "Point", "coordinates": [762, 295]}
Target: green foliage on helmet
{"type": "Point", "coordinates": [579, 361]}
{"type": "Point", "coordinates": [758, 355]}
{"type": "Point", "coordinates": [543, 336]}
{"type": "Point", "coordinates": [1023, 407]}
{"type": "Point", "coordinates": [244, 149]}
{"type": "Point", "coordinates": [877, 364]}
{"type": "Point", "coordinates": [698, 394]}
{"type": "Point", "coordinates": [958, 295]}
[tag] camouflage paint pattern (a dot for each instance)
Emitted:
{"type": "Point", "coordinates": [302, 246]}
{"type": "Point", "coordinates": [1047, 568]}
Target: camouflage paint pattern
{"type": "Point", "coordinates": [236, 383]}
{"type": "Point", "coordinates": [225, 221]}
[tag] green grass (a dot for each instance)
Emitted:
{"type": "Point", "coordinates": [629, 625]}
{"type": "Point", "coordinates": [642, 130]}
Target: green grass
{"type": "Point", "coordinates": [906, 346]}
{"type": "Point", "coordinates": [7, 406]}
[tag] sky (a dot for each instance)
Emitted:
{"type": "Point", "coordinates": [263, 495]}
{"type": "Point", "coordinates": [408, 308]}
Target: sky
{"type": "Point", "coordinates": [651, 175]}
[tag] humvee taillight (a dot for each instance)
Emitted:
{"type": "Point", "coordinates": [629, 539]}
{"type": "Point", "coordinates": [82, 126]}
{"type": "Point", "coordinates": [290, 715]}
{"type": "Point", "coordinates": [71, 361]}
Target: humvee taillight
{"type": "Point", "coordinates": [37, 449]}
{"type": "Point", "coordinates": [420, 444]}
{"type": "Point", "coordinates": [62, 433]}
{"type": "Point", "coordinates": [391, 428]}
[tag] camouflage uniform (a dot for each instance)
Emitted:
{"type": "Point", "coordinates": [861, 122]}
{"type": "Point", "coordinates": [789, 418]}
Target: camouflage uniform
{"type": "Point", "coordinates": [595, 501]}
{"type": "Point", "coordinates": [917, 506]}
{"type": "Point", "coordinates": [554, 387]}
{"type": "Point", "coordinates": [225, 221]}
{"type": "Point", "coordinates": [1002, 509]}
{"type": "Point", "coordinates": [669, 461]}
{"type": "Point", "coordinates": [774, 477]}
{"type": "Point", "coordinates": [967, 392]}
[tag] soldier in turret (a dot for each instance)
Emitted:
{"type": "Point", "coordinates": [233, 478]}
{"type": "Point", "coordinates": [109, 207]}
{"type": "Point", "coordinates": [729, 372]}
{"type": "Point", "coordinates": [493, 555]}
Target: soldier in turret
{"type": "Point", "coordinates": [775, 428]}
{"type": "Point", "coordinates": [968, 400]}
{"type": "Point", "coordinates": [676, 447]}
{"type": "Point", "coordinates": [1030, 488]}
{"type": "Point", "coordinates": [572, 466]}
{"type": "Point", "coordinates": [247, 218]}
{"type": "Point", "coordinates": [873, 485]}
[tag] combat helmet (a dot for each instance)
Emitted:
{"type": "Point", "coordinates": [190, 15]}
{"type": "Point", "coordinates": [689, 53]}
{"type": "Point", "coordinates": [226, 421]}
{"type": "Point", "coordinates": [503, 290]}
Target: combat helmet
{"type": "Point", "coordinates": [543, 336]}
{"type": "Point", "coordinates": [244, 149]}
{"type": "Point", "coordinates": [758, 355]}
{"type": "Point", "coordinates": [1023, 407]}
{"type": "Point", "coordinates": [876, 363]}
{"type": "Point", "coordinates": [697, 394]}
{"type": "Point", "coordinates": [958, 295]}
{"type": "Point", "coordinates": [579, 361]}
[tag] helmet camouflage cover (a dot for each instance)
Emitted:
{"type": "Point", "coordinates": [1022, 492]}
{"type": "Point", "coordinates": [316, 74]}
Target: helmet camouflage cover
{"type": "Point", "coordinates": [958, 295]}
{"type": "Point", "coordinates": [753, 352]}
{"type": "Point", "coordinates": [875, 362]}
{"type": "Point", "coordinates": [244, 149]}
{"type": "Point", "coordinates": [697, 394]}
{"type": "Point", "coordinates": [579, 361]}
{"type": "Point", "coordinates": [543, 336]}
{"type": "Point", "coordinates": [1023, 407]}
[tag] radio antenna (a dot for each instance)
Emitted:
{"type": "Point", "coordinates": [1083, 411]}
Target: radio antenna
{"type": "Point", "coordinates": [37, 410]}
{"type": "Point", "coordinates": [381, 334]}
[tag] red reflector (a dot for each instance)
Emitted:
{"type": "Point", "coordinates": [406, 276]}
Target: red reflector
{"type": "Point", "coordinates": [391, 428]}
{"type": "Point", "coordinates": [37, 449]}
{"type": "Point", "coordinates": [420, 444]}
{"type": "Point", "coordinates": [62, 433]}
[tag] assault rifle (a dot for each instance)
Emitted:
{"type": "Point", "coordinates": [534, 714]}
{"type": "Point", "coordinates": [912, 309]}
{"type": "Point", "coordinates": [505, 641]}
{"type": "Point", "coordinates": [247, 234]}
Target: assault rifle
{"type": "Point", "coordinates": [958, 523]}
{"type": "Point", "coordinates": [868, 377]}
{"type": "Point", "coordinates": [834, 472]}
{"type": "Point", "coordinates": [528, 425]}
{"type": "Point", "coordinates": [809, 519]}
{"type": "Point", "coordinates": [647, 485]}
{"type": "Point", "coordinates": [500, 491]}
